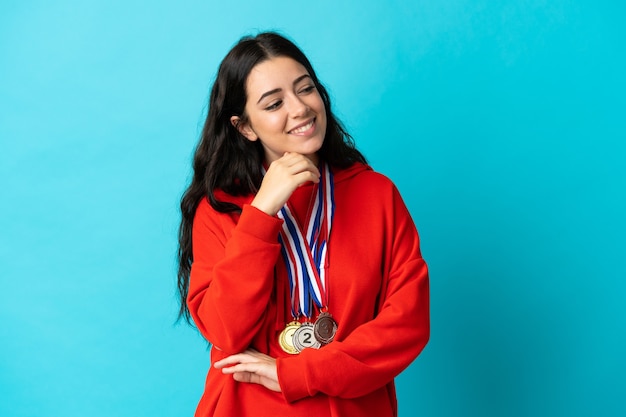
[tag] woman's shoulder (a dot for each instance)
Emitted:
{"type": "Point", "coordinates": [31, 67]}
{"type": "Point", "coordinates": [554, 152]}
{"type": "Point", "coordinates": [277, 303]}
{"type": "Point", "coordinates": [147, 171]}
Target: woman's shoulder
{"type": "Point", "coordinates": [206, 210]}
{"type": "Point", "coordinates": [361, 174]}
{"type": "Point", "coordinates": [239, 200]}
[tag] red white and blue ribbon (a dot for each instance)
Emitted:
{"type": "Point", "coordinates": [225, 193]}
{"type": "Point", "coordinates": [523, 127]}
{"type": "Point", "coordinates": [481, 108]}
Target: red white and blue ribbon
{"type": "Point", "coordinates": [305, 256]}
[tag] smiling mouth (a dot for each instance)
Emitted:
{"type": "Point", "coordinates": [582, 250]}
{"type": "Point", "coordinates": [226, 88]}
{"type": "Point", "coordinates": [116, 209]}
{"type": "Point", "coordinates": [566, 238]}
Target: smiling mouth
{"type": "Point", "coordinates": [303, 128]}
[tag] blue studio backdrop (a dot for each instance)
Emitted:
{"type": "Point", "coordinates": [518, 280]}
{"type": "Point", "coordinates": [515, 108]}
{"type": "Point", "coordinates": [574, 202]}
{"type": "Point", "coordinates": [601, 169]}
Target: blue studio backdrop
{"type": "Point", "coordinates": [501, 122]}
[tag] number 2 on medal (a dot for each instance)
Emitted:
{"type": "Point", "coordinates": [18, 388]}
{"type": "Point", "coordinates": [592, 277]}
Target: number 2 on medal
{"type": "Point", "coordinates": [307, 338]}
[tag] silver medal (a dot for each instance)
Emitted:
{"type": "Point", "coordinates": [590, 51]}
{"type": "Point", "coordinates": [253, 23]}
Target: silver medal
{"type": "Point", "coordinates": [304, 337]}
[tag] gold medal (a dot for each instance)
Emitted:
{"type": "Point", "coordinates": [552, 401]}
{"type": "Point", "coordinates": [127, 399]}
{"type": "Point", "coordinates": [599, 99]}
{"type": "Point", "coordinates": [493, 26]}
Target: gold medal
{"type": "Point", "coordinates": [285, 339]}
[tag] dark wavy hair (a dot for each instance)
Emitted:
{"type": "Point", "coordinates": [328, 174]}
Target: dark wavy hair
{"type": "Point", "coordinates": [224, 159]}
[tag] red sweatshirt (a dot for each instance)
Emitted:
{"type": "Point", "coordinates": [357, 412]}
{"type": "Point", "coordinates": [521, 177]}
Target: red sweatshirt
{"type": "Point", "coordinates": [378, 294]}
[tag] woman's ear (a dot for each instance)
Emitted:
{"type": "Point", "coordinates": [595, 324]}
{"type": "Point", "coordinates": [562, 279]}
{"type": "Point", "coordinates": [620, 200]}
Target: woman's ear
{"type": "Point", "coordinates": [243, 128]}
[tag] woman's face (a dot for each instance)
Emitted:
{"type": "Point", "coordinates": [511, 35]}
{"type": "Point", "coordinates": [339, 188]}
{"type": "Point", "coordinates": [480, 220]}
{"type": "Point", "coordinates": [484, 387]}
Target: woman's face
{"type": "Point", "coordinates": [285, 111]}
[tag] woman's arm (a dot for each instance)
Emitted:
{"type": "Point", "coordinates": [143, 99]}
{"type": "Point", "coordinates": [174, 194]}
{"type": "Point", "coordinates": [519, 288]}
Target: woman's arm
{"type": "Point", "coordinates": [378, 350]}
{"type": "Point", "coordinates": [371, 355]}
{"type": "Point", "coordinates": [232, 275]}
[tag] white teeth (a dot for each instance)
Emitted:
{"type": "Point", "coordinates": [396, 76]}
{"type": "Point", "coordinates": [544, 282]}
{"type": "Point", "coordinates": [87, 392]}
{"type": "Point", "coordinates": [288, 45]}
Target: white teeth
{"type": "Point", "coordinates": [303, 128]}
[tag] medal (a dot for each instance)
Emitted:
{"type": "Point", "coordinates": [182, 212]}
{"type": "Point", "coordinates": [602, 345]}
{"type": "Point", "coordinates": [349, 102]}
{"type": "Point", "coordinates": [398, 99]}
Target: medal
{"type": "Point", "coordinates": [304, 337]}
{"type": "Point", "coordinates": [285, 339]}
{"type": "Point", "coordinates": [325, 328]}
{"type": "Point", "coordinates": [305, 250]}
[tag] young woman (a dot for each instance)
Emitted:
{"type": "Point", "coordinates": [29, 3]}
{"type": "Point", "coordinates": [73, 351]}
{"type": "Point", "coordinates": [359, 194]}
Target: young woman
{"type": "Point", "coordinates": [298, 263]}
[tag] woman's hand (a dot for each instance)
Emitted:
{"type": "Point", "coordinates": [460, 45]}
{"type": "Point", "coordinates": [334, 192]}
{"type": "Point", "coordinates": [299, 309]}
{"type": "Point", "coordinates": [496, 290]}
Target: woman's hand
{"type": "Point", "coordinates": [283, 177]}
{"type": "Point", "coordinates": [251, 367]}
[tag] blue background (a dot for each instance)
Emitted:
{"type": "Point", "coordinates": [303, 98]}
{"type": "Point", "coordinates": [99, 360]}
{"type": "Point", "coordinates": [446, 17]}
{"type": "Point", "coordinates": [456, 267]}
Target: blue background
{"type": "Point", "coordinates": [502, 123]}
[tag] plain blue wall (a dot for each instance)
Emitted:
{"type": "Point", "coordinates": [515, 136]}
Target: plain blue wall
{"type": "Point", "coordinates": [502, 123]}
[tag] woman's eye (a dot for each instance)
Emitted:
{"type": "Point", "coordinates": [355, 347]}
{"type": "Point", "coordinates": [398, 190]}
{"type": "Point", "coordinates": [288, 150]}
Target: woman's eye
{"type": "Point", "coordinates": [274, 105]}
{"type": "Point", "coordinates": [307, 89]}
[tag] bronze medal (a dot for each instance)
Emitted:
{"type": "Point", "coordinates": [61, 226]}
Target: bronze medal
{"type": "Point", "coordinates": [325, 328]}
{"type": "Point", "coordinates": [304, 338]}
{"type": "Point", "coordinates": [285, 339]}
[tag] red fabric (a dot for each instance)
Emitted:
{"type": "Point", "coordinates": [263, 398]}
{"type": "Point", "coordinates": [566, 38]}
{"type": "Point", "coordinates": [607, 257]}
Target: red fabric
{"type": "Point", "coordinates": [378, 294]}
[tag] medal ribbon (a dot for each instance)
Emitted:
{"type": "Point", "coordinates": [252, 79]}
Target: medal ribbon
{"type": "Point", "coordinates": [305, 258]}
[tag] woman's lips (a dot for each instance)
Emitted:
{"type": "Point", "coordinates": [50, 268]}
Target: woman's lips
{"type": "Point", "coordinates": [303, 128]}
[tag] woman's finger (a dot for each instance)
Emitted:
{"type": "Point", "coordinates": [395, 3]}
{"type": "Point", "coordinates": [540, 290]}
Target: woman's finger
{"type": "Point", "coordinates": [247, 356]}
{"type": "Point", "coordinates": [282, 178]}
{"type": "Point", "coordinates": [234, 359]}
{"type": "Point", "coordinates": [251, 367]}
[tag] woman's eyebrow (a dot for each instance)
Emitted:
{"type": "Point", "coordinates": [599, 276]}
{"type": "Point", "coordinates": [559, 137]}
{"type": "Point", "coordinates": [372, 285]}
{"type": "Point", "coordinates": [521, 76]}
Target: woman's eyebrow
{"type": "Point", "coordinates": [269, 93]}
{"type": "Point", "coordinates": [277, 90]}
{"type": "Point", "coordinates": [300, 78]}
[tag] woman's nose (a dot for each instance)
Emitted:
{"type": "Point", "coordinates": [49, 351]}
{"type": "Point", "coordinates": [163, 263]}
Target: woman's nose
{"type": "Point", "coordinates": [298, 108]}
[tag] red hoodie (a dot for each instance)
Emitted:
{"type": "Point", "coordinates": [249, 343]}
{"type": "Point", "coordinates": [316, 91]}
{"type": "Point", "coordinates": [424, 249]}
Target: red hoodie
{"type": "Point", "coordinates": [378, 294]}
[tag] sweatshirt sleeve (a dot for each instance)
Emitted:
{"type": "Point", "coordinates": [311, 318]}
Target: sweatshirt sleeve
{"type": "Point", "coordinates": [232, 275]}
{"type": "Point", "coordinates": [376, 351]}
